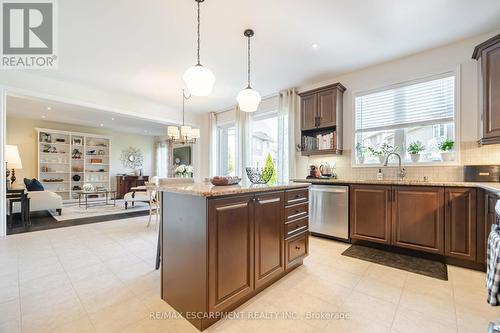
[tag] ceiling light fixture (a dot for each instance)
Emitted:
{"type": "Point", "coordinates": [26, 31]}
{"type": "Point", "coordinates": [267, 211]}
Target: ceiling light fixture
{"type": "Point", "coordinates": [113, 119]}
{"type": "Point", "coordinates": [101, 125]}
{"type": "Point", "coordinates": [49, 108]}
{"type": "Point", "coordinates": [186, 134]}
{"type": "Point", "coordinates": [248, 99]}
{"type": "Point", "coordinates": [315, 46]}
{"type": "Point", "coordinates": [199, 80]}
{"type": "Point", "coordinates": [44, 116]}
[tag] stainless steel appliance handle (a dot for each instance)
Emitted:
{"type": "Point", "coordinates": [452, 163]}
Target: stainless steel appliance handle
{"type": "Point", "coordinates": [332, 190]}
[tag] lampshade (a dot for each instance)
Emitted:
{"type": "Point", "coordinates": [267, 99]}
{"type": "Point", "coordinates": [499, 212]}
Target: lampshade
{"type": "Point", "coordinates": [173, 132]}
{"type": "Point", "coordinates": [248, 100]}
{"type": "Point", "coordinates": [195, 133]}
{"type": "Point", "coordinates": [186, 132]}
{"type": "Point", "coordinates": [199, 80]}
{"type": "Point", "coordinates": [12, 157]}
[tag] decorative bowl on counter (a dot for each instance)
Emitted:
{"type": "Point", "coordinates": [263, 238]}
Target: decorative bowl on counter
{"type": "Point", "coordinates": [225, 180]}
{"type": "Point", "coordinates": [259, 175]}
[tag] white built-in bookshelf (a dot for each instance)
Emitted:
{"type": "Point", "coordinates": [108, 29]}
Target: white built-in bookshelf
{"type": "Point", "coordinates": [68, 160]}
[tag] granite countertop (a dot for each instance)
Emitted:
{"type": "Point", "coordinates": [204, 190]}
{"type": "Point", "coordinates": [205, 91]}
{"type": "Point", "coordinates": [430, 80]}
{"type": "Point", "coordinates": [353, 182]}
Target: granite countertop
{"type": "Point", "coordinates": [209, 190]}
{"type": "Point", "coordinates": [493, 187]}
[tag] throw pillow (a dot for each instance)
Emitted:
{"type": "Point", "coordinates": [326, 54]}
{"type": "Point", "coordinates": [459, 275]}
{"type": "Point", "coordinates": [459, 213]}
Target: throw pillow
{"type": "Point", "coordinates": [33, 185]}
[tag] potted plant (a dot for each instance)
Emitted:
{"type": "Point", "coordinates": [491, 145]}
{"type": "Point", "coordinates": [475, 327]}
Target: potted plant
{"type": "Point", "coordinates": [414, 150]}
{"type": "Point", "coordinates": [382, 151]}
{"type": "Point", "coordinates": [360, 152]}
{"type": "Point", "coordinates": [446, 147]}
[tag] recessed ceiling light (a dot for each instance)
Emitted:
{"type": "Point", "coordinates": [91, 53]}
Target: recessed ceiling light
{"type": "Point", "coordinates": [44, 116]}
{"type": "Point", "coordinates": [112, 118]}
{"type": "Point", "coordinates": [315, 46]}
{"type": "Point", "coordinates": [49, 108]}
{"type": "Point", "coordinates": [101, 125]}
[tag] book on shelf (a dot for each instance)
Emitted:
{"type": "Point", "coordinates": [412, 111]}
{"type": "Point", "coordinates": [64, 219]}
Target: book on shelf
{"type": "Point", "coordinates": [319, 142]}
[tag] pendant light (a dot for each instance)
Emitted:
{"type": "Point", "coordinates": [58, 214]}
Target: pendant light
{"type": "Point", "coordinates": [199, 80]}
{"type": "Point", "coordinates": [186, 134]}
{"type": "Point", "coordinates": [248, 99]}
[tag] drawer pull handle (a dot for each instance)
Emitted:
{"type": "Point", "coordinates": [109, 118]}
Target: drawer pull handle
{"type": "Point", "coordinates": [297, 226]}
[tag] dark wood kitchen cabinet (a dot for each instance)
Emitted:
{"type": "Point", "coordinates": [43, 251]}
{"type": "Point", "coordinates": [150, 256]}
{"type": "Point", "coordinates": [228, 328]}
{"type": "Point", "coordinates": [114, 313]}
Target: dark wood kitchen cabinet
{"type": "Point", "coordinates": [418, 218]}
{"type": "Point", "coordinates": [269, 239]}
{"type": "Point", "coordinates": [488, 56]}
{"type": "Point", "coordinates": [486, 218]}
{"type": "Point", "coordinates": [321, 108]}
{"type": "Point", "coordinates": [371, 213]}
{"type": "Point", "coordinates": [231, 251]}
{"type": "Point", "coordinates": [460, 223]}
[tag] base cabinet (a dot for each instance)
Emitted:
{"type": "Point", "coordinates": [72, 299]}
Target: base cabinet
{"type": "Point", "coordinates": [371, 213]}
{"type": "Point", "coordinates": [418, 218]}
{"type": "Point", "coordinates": [297, 248]}
{"type": "Point", "coordinates": [460, 223]}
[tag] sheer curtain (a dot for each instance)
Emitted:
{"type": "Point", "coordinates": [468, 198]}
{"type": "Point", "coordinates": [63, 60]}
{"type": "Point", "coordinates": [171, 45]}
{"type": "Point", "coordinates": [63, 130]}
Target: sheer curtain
{"type": "Point", "coordinates": [212, 144]}
{"type": "Point", "coordinates": [162, 159]}
{"type": "Point", "coordinates": [244, 144]}
{"type": "Point", "coordinates": [287, 108]}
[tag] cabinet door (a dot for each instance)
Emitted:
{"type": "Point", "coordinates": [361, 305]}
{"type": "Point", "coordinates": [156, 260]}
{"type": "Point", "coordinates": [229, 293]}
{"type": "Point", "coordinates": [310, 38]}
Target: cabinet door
{"type": "Point", "coordinates": [269, 239]}
{"type": "Point", "coordinates": [308, 106]}
{"type": "Point", "coordinates": [418, 218]}
{"type": "Point", "coordinates": [490, 71]}
{"type": "Point", "coordinates": [231, 251]}
{"type": "Point", "coordinates": [484, 226]}
{"type": "Point", "coordinates": [371, 213]}
{"type": "Point", "coordinates": [460, 223]}
{"type": "Point", "coordinates": [327, 113]}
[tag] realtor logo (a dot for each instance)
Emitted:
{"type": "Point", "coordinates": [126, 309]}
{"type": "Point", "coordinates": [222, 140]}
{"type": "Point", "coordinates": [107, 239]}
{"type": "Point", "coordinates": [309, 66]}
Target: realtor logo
{"type": "Point", "coordinates": [28, 34]}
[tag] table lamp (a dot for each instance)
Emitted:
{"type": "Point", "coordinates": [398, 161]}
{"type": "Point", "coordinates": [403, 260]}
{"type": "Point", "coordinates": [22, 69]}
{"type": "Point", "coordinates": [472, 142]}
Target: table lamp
{"type": "Point", "coordinates": [12, 161]}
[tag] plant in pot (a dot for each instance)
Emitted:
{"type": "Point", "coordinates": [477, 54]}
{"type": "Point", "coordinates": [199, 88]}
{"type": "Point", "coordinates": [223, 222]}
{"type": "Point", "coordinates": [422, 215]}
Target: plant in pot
{"type": "Point", "coordinates": [414, 150]}
{"type": "Point", "coordinates": [446, 147]}
{"type": "Point", "coordinates": [360, 152]}
{"type": "Point", "coordinates": [382, 151]}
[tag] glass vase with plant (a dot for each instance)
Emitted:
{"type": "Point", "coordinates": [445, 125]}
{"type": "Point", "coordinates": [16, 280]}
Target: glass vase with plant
{"type": "Point", "coordinates": [360, 153]}
{"type": "Point", "coordinates": [446, 149]}
{"type": "Point", "coordinates": [414, 150]}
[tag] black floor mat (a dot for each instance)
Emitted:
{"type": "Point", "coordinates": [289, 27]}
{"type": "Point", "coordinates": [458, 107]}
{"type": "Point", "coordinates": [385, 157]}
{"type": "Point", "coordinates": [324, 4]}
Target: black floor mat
{"type": "Point", "coordinates": [44, 221]}
{"type": "Point", "coordinates": [422, 266]}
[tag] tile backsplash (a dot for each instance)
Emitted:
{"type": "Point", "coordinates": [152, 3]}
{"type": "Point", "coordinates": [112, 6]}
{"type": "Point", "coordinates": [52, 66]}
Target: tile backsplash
{"type": "Point", "coordinates": [471, 154]}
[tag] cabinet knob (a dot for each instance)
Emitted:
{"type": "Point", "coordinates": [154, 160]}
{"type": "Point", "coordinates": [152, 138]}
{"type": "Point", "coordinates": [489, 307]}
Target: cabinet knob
{"type": "Point", "coordinates": [297, 247]}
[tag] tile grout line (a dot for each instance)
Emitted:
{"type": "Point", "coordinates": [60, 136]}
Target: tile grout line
{"type": "Point", "coordinates": [399, 301]}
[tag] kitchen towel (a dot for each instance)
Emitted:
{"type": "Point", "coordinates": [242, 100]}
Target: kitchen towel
{"type": "Point", "coordinates": [493, 266]}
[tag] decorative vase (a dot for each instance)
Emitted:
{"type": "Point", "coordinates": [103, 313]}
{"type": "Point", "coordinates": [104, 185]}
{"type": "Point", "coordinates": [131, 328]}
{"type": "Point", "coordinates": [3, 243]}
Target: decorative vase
{"type": "Point", "coordinates": [76, 178]}
{"type": "Point", "coordinates": [415, 157]}
{"type": "Point", "coordinates": [446, 156]}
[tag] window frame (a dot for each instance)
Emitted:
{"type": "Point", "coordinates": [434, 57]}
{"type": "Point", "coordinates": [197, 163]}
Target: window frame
{"type": "Point", "coordinates": [418, 79]}
{"type": "Point", "coordinates": [219, 128]}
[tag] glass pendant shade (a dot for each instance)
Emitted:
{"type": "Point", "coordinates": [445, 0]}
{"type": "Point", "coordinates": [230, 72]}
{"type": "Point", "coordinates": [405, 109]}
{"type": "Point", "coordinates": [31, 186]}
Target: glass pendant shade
{"type": "Point", "coordinates": [173, 132]}
{"type": "Point", "coordinates": [195, 133]}
{"type": "Point", "coordinates": [248, 100]}
{"type": "Point", "coordinates": [199, 80]}
{"type": "Point", "coordinates": [186, 132]}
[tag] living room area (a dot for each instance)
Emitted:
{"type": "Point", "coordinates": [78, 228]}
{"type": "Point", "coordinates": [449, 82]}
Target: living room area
{"type": "Point", "coordinates": [71, 164]}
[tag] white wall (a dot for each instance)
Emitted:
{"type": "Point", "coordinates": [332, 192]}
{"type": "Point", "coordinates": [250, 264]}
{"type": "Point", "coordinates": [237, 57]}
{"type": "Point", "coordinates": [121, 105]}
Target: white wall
{"type": "Point", "coordinates": [21, 132]}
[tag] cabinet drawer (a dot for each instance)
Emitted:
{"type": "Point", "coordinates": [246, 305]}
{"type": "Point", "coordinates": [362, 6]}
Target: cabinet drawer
{"type": "Point", "coordinates": [296, 196]}
{"type": "Point", "coordinates": [296, 249]}
{"type": "Point", "coordinates": [296, 211]}
{"type": "Point", "coordinates": [296, 226]}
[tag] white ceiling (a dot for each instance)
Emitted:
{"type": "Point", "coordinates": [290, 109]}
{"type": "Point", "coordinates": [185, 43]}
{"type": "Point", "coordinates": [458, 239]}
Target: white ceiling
{"type": "Point", "coordinates": [143, 47]}
{"type": "Point", "coordinates": [38, 109]}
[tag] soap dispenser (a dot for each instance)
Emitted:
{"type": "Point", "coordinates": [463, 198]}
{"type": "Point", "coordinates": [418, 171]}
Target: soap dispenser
{"type": "Point", "coordinates": [380, 175]}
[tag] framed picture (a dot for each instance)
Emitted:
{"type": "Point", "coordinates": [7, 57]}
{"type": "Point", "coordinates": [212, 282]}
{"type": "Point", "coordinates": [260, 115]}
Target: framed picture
{"type": "Point", "coordinates": [77, 141]}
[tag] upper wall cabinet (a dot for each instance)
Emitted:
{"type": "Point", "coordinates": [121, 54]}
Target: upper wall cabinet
{"type": "Point", "coordinates": [321, 120]}
{"type": "Point", "coordinates": [488, 56]}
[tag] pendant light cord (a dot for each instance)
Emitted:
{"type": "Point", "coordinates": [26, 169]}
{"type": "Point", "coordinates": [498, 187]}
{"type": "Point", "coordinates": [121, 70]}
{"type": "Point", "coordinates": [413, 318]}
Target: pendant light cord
{"type": "Point", "coordinates": [184, 98]}
{"type": "Point", "coordinates": [248, 63]}
{"type": "Point", "coordinates": [198, 50]}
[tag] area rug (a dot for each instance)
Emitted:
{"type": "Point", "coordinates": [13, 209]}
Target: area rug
{"type": "Point", "coordinates": [71, 211]}
{"type": "Point", "coordinates": [421, 266]}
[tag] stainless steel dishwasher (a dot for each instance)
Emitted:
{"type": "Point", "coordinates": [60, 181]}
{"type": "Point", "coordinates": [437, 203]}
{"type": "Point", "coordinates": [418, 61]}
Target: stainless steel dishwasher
{"type": "Point", "coordinates": [329, 211]}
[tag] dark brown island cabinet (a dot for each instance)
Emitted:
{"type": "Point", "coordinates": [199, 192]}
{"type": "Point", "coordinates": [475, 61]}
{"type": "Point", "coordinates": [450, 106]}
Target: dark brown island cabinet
{"type": "Point", "coordinates": [218, 252]}
{"type": "Point", "coordinates": [451, 223]}
{"type": "Point", "coordinates": [488, 56]}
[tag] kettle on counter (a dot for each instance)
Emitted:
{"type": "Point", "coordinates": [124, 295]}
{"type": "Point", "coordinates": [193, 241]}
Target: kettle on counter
{"type": "Point", "coordinates": [326, 170]}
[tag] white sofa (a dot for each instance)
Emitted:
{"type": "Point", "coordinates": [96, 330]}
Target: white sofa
{"type": "Point", "coordinates": [42, 200]}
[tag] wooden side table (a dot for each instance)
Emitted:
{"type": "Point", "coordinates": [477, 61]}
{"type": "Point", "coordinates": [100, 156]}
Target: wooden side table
{"type": "Point", "coordinates": [19, 195]}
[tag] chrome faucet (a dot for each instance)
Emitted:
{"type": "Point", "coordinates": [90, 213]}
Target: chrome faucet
{"type": "Point", "coordinates": [402, 171]}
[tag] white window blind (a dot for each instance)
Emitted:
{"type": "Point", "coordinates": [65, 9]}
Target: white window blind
{"type": "Point", "coordinates": [423, 103]}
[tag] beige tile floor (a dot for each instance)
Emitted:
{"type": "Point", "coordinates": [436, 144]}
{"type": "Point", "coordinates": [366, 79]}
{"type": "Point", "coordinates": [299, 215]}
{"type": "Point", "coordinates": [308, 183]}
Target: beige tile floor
{"type": "Point", "coordinates": [100, 278]}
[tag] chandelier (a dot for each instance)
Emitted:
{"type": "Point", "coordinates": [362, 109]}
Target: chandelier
{"type": "Point", "coordinates": [186, 134]}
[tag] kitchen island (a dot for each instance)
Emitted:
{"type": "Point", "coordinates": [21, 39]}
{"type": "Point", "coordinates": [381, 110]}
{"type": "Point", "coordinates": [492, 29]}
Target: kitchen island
{"type": "Point", "coordinates": [221, 245]}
